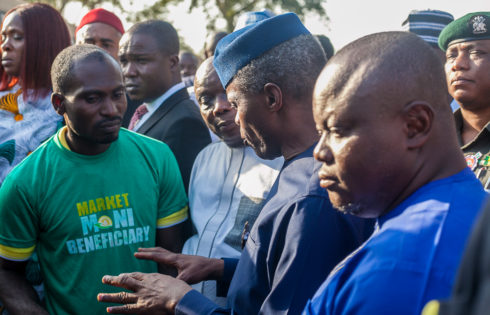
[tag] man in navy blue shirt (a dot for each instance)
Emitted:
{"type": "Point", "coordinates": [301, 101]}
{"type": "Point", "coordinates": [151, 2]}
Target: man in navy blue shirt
{"type": "Point", "coordinates": [389, 151]}
{"type": "Point", "coordinates": [269, 70]}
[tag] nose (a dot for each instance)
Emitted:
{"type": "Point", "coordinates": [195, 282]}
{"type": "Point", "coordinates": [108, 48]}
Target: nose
{"type": "Point", "coordinates": [129, 69]}
{"type": "Point", "coordinates": [237, 119]}
{"type": "Point", "coordinates": [110, 107]}
{"type": "Point", "coordinates": [221, 105]}
{"type": "Point", "coordinates": [322, 151]}
{"type": "Point", "coordinates": [461, 62]}
{"type": "Point", "coordinates": [5, 45]}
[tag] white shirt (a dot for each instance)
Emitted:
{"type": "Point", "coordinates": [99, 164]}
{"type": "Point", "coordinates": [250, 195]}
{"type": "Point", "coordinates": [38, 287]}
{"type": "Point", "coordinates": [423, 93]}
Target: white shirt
{"type": "Point", "coordinates": [227, 187]}
{"type": "Point", "coordinates": [156, 103]}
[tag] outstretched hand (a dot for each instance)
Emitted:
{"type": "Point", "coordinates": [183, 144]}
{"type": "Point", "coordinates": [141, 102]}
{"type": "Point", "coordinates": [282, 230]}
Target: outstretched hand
{"type": "Point", "coordinates": [152, 293]}
{"type": "Point", "coordinates": [191, 269]}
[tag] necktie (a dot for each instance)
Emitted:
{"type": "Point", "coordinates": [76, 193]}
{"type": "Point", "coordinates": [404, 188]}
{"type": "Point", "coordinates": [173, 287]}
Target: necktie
{"type": "Point", "coordinates": [138, 113]}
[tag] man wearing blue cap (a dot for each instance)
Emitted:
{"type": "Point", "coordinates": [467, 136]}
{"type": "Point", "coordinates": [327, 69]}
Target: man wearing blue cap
{"type": "Point", "coordinates": [466, 42]}
{"type": "Point", "coordinates": [268, 69]}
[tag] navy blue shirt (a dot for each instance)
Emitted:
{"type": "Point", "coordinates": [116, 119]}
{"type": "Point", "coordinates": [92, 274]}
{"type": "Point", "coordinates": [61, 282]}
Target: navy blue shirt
{"type": "Point", "coordinates": [296, 240]}
{"type": "Point", "coordinates": [411, 258]}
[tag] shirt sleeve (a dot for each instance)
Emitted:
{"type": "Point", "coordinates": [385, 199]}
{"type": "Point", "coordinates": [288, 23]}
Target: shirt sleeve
{"type": "Point", "coordinates": [387, 291]}
{"type": "Point", "coordinates": [195, 303]}
{"type": "Point", "coordinates": [317, 237]}
{"type": "Point", "coordinates": [19, 222]}
{"type": "Point", "coordinates": [172, 201]}
{"type": "Point", "coordinates": [223, 284]}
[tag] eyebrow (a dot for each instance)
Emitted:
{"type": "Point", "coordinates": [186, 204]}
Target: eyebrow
{"type": "Point", "coordinates": [95, 91]}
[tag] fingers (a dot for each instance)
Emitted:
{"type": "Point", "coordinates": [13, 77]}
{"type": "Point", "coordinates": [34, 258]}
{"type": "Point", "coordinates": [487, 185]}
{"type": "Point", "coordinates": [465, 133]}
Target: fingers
{"type": "Point", "coordinates": [154, 249]}
{"type": "Point", "coordinates": [125, 309]}
{"type": "Point", "coordinates": [121, 297]}
{"type": "Point", "coordinates": [157, 254]}
{"type": "Point", "coordinates": [124, 280]}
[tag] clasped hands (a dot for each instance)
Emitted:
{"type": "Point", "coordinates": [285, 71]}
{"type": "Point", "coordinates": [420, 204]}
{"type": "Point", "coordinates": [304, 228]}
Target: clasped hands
{"type": "Point", "coordinates": [155, 293]}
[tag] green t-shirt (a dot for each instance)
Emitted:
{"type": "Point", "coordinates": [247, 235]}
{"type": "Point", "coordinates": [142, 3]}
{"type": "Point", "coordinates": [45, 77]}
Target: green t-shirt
{"type": "Point", "coordinates": [87, 215]}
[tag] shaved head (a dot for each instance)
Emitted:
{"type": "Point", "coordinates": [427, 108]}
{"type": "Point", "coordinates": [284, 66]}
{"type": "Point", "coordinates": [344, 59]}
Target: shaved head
{"type": "Point", "coordinates": [204, 70]}
{"type": "Point", "coordinates": [399, 64]}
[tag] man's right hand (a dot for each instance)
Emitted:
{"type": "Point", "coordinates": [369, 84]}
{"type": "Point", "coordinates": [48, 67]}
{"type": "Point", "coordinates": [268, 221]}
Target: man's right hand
{"type": "Point", "coordinates": [191, 269]}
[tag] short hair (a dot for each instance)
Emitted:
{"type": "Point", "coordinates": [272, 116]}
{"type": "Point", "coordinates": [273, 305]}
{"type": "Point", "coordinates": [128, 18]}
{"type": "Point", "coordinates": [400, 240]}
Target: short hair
{"type": "Point", "coordinates": [293, 65]}
{"type": "Point", "coordinates": [46, 34]}
{"type": "Point", "coordinates": [326, 45]}
{"type": "Point", "coordinates": [212, 41]}
{"type": "Point", "coordinates": [162, 32]}
{"type": "Point", "coordinates": [190, 54]}
{"type": "Point", "coordinates": [62, 74]}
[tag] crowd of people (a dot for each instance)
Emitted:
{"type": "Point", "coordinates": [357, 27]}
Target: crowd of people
{"type": "Point", "coordinates": [277, 176]}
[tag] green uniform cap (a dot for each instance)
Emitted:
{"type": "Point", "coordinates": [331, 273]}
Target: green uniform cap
{"type": "Point", "coordinates": [472, 26]}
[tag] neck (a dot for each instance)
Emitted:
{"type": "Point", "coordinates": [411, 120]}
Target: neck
{"type": "Point", "coordinates": [473, 122]}
{"type": "Point", "coordinates": [429, 166]}
{"type": "Point", "coordinates": [299, 133]}
{"type": "Point", "coordinates": [83, 146]}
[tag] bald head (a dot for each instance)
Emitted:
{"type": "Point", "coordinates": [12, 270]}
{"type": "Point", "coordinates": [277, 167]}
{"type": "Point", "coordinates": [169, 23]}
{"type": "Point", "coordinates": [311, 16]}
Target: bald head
{"type": "Point", "coordinates": [204, 71]}
{"type": "Point", "coordinates": [397, 65]}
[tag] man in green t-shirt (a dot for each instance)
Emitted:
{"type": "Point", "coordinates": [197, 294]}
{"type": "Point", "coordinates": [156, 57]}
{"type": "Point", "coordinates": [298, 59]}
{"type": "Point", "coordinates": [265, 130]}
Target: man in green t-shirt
{"type": "Point", "coordinates": [89, 197]}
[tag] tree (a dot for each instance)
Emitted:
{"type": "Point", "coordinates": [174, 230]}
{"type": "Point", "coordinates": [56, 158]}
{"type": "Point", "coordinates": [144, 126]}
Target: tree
{"type": "Point", "coordinates": [91, 4]}
{"type": "Point", "coordinates": [231, 9]}
{"type": "Point", "coordinates": [228, 10]}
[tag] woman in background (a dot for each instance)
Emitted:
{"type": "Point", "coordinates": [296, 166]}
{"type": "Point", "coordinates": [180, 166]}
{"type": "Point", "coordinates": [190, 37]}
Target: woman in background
{"type": "Point", "coordinates": [32, 35]}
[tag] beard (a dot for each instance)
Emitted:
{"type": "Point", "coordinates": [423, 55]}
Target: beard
{"type": "Point", "coordinates": [350, 208]}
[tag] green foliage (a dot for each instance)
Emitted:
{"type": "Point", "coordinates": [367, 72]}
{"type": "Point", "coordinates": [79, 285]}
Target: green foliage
{"type": "Point", "coordinates": [229, 10]}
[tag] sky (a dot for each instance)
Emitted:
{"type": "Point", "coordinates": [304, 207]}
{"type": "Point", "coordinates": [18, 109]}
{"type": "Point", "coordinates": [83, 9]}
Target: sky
{"type": "Point", "coordinates": [349, 19]}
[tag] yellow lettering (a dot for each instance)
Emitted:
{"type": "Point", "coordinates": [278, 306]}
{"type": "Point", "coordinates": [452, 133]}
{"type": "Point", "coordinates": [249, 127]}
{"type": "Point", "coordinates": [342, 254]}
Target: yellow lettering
{"type": "Point", "coordinates": [100, 204]}
{"type": "Point", "coordinates": [91, 205]}
{"type": "Point", "coordinates": [82, 208]}
{"type": "Point", "coordinates": [125, 196]}
{"type": "Point", "coordinates": [118, 201]}
{"type": "Point", "coordinates": [110, 202]}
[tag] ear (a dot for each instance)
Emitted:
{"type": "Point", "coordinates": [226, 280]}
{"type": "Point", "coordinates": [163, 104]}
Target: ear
{"type": "Point", "coordinates": [174, 63]}
{"type": "Point", "coordinates": [273, 94]}
{"type": "Point", "coordinates": [58, 103]}
{"type": "Point", "coordinates": [418, 117]}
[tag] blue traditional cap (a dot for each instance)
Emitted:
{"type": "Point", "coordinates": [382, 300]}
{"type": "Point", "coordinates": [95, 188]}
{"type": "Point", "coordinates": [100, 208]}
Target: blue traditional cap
{"type": "Point", "coordinates": [427, 24]}
{"type": "Point", "coordinates": [472, 26]}
{"type": "Point", "coordinates": [248, 18]}
{"type": "Point", "coordinates": [238, 49]}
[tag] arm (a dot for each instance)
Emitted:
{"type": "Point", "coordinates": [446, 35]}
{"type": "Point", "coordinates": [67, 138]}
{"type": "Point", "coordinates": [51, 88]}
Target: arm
{"type": "Point", "coordinates": [15, 292]}
{"type": "Point", "coordinates": [171, 238]}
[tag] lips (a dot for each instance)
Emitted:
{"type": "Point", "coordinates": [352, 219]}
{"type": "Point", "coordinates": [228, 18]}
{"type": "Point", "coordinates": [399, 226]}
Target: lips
{"type": "Point", "coordinates": [131, 86]}
{"type": "Point", "coordinates": [460, 80]}
{"type": "Point", "coordinates": [7, 62]}
{"type": "Point", "coordinates": [110, 125]}
{"type": "Point", "coordinates": [326, 181]}
{"type": "Point", "coordinates": [226, 125]}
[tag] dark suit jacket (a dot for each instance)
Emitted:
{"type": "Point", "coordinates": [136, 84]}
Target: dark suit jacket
{"type": "Point", "coordinates": [178, 123]}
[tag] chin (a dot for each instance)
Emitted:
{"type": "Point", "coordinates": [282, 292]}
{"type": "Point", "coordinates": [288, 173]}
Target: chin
{"type": "Point", "coordinates": [108, 138]}
{"type": "Point", "coordinates": [350, 208]}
